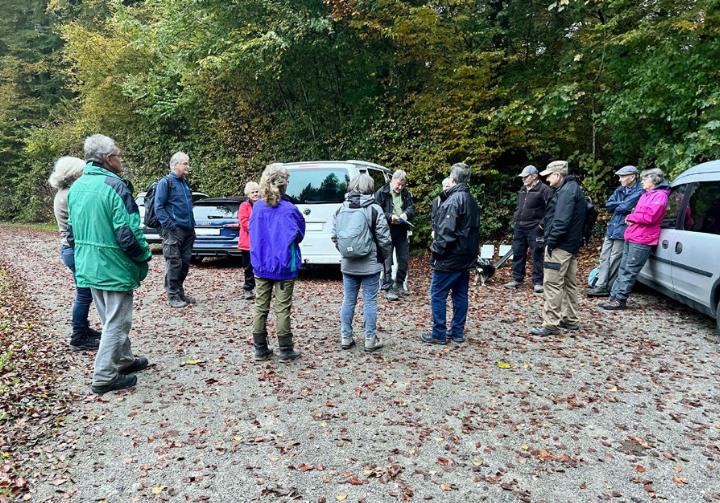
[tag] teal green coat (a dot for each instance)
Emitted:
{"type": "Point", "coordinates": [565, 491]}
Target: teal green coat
{"type": "Point", "coordinates": [111, 252]}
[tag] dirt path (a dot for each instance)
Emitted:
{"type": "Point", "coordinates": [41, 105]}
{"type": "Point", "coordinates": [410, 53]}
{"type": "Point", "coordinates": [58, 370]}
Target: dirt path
{"type": "Point", "coordinates": [627, 408]}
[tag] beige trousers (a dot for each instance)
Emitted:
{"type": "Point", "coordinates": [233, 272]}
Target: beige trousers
{"type": "Point", "coordinates": [561, 290]}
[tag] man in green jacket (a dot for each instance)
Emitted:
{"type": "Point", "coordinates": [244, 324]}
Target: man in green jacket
{"type": "Point", "coordinates": [111, 256]}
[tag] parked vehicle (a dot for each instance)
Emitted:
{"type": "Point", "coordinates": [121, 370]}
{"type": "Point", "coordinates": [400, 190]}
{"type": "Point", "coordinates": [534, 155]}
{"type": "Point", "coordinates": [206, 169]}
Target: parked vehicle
{"type": "Point", "coordinates": [318, 188]}
{"type": "Point", "coordinates": [686, 263]}
{"type": "Point", "coordinates": [151, 235]}
{"type": "Point", "coordinates": [216, 227]}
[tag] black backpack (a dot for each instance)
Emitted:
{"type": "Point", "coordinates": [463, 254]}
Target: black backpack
{"type": "Point", "coordinates": [591, 216]}
{"type": "Point", "coordinates": [151, 220]}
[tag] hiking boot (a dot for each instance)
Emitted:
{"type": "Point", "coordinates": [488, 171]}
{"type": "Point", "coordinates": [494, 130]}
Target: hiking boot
{"type": "Point", "coordinates": [262, 351]}
{"type": "Point", "coordinates": [429, 339]}
{"type": "Point", "coordinates": [347, 342]}
{"type": "Point", "coordinates": [401, 290]}
{"type": "Point", "coordinates": [140, 363]}
{"type": "Point", "coordinates": [249, 295]}
{"type": "Point", "coordinates": [568, 325]}
{"type": "Point", "coordinates": [458, 339]}
{"type": "Point", "coordinates": [92, 333]}
{"type": "Point", "coordinates": [120, 382]}
{"type": "Point", "coordinates": [391, 295]}
{"type": "Point", "coordinates": [545, 331]}
{"type": "Point", "coordinates": [373, 344]}
{"type": "Point", "coordinates": [598, 292]}
{"type": "Point", "coordinates": [176, 302]}
{"type": "Point", "coordinates": [188, 299]}
{"type": "Point", "coordinates": [80, 341]}
{"type": "Point", "coordinates": [613, 304]}
{"type": "Point", "coordinates": [538, 289]}
{"type": "Point", "coordinates": [286, 353]}
{"type": "Point", "coordinates": [513, 284]}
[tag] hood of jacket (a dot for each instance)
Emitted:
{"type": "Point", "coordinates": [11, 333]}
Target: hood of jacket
{"type": "Point", "coordinates": [358, 200]}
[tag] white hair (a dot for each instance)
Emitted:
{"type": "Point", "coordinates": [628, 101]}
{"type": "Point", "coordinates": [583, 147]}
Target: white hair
{"type": "Point", "coordinates": [97, 147]}
{"type": "Point", "coordinates": [362, 183]}
{"type": "Point", "coordinates": [656, 175]}
{"type": "Point", "coordinates": [400, 175]}
{"type": "Point", "coordinates": [65, 172]}
{"type": "Point", "coordinates": [177, 158]}
{"type": "Point", "coordinates": [251, 186]}
{"type": "Point", "coordinates": [447, 183]}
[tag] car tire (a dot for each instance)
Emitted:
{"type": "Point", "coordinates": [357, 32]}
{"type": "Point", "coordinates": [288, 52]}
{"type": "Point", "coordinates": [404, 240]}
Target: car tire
{"type": "Point", "coordinates": [196, 260]}
{"type": "Point", "coordinates": [717, 320]}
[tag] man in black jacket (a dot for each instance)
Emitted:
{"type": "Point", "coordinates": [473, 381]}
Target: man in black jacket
{"type": "Point", "coordinates": [532, 202]}
{"type": "Point", "coordinates": [456, 230]}
{"type": "Point", "coordinates": [397, 204]}
{"type": "Point", "coordinates": [564, 221]}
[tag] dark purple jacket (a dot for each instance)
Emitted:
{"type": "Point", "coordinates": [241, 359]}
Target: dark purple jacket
{"type": "Point", "coordinates": [274, 237]}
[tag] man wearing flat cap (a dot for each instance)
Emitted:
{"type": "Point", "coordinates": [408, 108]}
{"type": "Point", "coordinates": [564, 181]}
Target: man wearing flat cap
{"type": "Point", "coordinates": [564, 220]}
{"type": "Point", "coordinates": [621, 203]}
{"type": "Point", "coordinates": [528, 233]}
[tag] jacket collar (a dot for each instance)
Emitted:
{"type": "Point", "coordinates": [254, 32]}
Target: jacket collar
{"type": "Point", "coordinates": [460, 187]}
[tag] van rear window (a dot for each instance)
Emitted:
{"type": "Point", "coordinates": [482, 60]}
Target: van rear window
{"type": "Point", "coordinates": [318, 185]}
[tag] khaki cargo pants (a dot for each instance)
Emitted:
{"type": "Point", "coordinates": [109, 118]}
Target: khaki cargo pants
{"type": "Point", "coordinates": [561, 290]}
{"type": "Point", "coordinates": [282, 292]}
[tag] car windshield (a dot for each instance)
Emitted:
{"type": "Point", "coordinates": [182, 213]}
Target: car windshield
{"type": "Point", "coordinates": [318, 185]}
{"type": "Point", "coordinates": [215, 212]}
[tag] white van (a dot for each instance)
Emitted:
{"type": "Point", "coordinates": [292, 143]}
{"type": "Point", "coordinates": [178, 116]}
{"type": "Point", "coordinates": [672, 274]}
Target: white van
{"type": "Point", "coordinates": [686, 263]}
{"type": "Point", "coordinates": [318, 189]}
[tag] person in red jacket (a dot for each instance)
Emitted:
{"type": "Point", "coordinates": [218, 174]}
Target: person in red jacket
{"type": "Point", "coordinates": [252, 191]}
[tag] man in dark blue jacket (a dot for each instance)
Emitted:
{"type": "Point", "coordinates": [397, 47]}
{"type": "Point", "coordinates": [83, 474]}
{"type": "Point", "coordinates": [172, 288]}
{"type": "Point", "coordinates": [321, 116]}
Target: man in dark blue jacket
{"type": "Point", "coordinates": [173, 207]}
{"type": "Point", "coordinates": [621, 203]}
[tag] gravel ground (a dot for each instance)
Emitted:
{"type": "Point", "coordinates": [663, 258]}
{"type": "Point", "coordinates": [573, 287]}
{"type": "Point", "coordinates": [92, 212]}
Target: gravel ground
{"type": "Point", "coordinates": [627, 408]}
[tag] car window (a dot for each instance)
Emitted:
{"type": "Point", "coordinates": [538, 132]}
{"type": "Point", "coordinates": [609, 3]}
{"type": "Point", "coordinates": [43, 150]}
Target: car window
{"type": "Point", "coordinates": [318, 185]}
{"type": "Point", "coordinates": [703, 211]}
{"type": "Point", "coordinates": [215, 212]}
{"type": "Point", "coordinates": [675, 201]}
{"type": "Point", "coordinates": [378, 177]}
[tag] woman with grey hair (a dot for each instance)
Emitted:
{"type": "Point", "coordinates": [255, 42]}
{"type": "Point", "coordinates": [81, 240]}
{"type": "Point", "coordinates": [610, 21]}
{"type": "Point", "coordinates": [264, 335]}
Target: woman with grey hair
{"type": "Point", "coordinates": [65, 172]}
{"type": "Point", "coordinates": [252, 192]}
{"type": "Point", "coordinates": [362, 236]}
{"type": "Point", "coordinates": [641, 236]}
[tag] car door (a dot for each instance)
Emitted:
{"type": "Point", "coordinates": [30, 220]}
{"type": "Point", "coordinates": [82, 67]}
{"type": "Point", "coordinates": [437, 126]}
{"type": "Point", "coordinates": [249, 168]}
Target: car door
{"type": "Point", "coordinates": [658, 270]}
{"type": "Point", "coordinates": [694, 246]}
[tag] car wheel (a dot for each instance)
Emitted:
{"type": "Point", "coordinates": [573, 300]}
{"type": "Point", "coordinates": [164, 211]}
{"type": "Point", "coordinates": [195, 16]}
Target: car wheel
{"type": "Point", "coordinates": [717, 319]}
{"type": "Point", "coordinates": [196, 260]}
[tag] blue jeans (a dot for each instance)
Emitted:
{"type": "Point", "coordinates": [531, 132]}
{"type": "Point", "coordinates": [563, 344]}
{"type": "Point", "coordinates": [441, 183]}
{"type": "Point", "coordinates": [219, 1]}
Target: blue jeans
{"type": "Point", "coordinates": [633, 259]}
{"type": "Point", "coordinates": [442, 284]}
{"type": "Point", "coordinates": [83, 296]}
{"type": "Point", "coordinates": [351, 287]}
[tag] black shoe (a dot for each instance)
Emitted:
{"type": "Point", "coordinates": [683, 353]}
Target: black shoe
{"type": "Point", "coordinates": [92, 333]}
{"type": "Point", "coordinates": [429, 339]}
{"type": "Point", "coordinates": [140, 363]}
{"type": "Point", "coordinates": [545, 331]}
{"type": "Point", "coordinates": [84, 343]}
{"type": "Point", "coordinates": [458, 340]}
{"type": "Point", "coordinates": [568, 326]}
{"type": "Point", "coordinates": [188, 299]}
{"type": "Point", "coordinates": [176, 302]}
{"type": "Point", "coordinates": [120, 382]}
{"type": "Point", "coordinates": [286, 353]}
{"type": "Point", "coordinates": [598, 292]}
{"type": "Point", "coordinates": [613, 304]}
{"type": "Point", "coordinates": [262, 351]}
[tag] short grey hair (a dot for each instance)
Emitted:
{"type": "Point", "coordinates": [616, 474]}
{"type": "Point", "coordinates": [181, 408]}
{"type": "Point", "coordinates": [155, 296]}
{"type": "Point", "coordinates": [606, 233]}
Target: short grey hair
{"type": "Point", "coordinates": [460, 172]}
{"type": "Point", "coordinates": [362, 183]}
{"type": "Point", "coordinates": [65, 172]}
{"type": "Point", "coordinates": [446, 183]}
{"type": "Point", "coordinates": [97, 147]}
{"type": "Point", "coordinates": [177, 158]}
{"type": "Point", "coordinates": [656, 175]}
{"type": "Point", "coordinates": [400, 175]}
{"type": "Point", "coordinates": [251, 186]}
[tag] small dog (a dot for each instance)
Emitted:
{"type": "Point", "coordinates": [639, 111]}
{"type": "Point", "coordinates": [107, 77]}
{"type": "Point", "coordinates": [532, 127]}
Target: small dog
{"type": "Point", "coordinates": [484, 270]}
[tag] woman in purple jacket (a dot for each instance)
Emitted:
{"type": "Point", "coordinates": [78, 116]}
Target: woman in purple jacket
{"type": "Point", "coordinates": [276, 229]}
{"type": "Point", "coordinates": [641, 236]}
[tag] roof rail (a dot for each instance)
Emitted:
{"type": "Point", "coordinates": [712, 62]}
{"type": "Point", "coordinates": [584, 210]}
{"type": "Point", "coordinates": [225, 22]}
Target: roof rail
{"type": "Point", "coordinates": [367, 163]}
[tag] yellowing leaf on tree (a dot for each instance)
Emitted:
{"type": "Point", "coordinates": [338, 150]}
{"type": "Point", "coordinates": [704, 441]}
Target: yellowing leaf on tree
{"type": "Point", "coordinates": [503, 365]}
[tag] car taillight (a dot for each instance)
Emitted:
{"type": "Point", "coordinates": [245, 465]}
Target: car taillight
{"type": "Point", "coordinates": [231, 226]}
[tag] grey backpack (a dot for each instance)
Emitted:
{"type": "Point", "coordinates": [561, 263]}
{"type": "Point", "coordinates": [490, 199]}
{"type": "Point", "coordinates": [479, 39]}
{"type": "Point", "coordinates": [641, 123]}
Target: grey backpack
{"type": "Point", "coordinates": [354, 233]}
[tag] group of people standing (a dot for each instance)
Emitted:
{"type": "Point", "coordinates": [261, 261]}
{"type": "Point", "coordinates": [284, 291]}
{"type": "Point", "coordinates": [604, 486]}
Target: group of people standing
{"type": "Point", "coordinates": [104, 247]}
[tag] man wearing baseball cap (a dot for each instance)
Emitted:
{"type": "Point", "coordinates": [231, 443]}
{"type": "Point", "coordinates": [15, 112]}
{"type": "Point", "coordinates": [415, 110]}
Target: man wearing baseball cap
{"type": "Point", "coordinates": [528, 233]}
{"type": "Point", "coordinates": [564, 221]}
{"type": "Point", "coordinates": [621, 203]}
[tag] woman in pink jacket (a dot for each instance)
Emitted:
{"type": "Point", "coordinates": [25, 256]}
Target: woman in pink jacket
{"type": "Point", "coordinates": [252, 191]}
{"type": "Point", "coordinates": [641, 236]}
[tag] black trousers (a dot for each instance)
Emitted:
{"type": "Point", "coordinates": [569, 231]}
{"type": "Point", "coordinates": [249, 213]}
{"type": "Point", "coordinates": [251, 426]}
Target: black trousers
{"type": "Point", "coordinates": [177, 250]}
{"type": "Point", "coordinates": [249, 285]}
{"type": "Point", "coordinates": [401, 247]}
{"type": "Point", "coordinates": [522, 240]}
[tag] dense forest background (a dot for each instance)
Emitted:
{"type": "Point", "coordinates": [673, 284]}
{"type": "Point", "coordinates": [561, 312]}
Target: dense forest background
{"type": "Point", "coordinates": [412, 84]}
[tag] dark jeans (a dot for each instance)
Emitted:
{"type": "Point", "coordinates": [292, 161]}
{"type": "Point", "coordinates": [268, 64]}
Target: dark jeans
{"type": "Point", "coordinates": [634, 257]}
{"type": "Point", "coordinates": [83, 296]}
{"type": "Point", "coordinates": [177, 250]}
{"type": "Point", "coordinates": [401, 246]}
{"type": "Point", "coordinates": [443, 283]}
{"type": "Point", "coordinates": [249, 285]}
{"type": "Point", "coordinates": [522, 240]}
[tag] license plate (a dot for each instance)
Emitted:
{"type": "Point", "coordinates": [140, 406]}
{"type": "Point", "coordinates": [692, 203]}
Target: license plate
{"type": "Point", "coordinates": [314, 226]}
{"type": "Point", "coordinates": [207, 232]}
